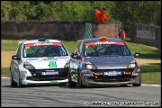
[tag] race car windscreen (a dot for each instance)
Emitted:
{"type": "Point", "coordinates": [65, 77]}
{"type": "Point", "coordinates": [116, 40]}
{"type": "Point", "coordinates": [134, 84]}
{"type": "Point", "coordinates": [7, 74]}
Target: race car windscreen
{"type": "Point", "coordinates": [111, 48]}
{"type": "Point", "coordinates": [44, 50]}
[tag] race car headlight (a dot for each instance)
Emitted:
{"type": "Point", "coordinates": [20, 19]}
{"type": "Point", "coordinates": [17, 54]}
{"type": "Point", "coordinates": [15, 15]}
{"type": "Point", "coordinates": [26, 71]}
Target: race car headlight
{"type": "Point", "coordinates": [89, 65]}
{"type": "Point", "coordinates": [132, 64]}
{"type": "Point", "coordinates": [27, 65]}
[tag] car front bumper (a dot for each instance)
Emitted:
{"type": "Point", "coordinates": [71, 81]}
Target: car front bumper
{"type": "Point", "coordinates": [29, 82]}
{"type": "Point", "coordinates": [111, 80]}
{"type": "Point", "coordinates": [110, 83]}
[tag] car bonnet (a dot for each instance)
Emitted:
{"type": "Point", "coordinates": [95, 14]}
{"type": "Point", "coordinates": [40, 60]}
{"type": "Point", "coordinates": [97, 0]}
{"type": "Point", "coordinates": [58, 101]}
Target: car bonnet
{"type": "Point", "coordinates": [117, 62]}
{"type": "Point", "coordinates": [48, 62]}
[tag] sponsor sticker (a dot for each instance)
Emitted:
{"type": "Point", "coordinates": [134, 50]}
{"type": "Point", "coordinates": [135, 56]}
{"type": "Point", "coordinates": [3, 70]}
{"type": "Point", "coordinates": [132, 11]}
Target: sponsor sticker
{"type": "Point", "coordinates": [113, 73]}
{"type": "Point", "coordinates": [33, 59]}
{"type": "Point", "coordinates": [43, 44]}
{"type": "Point", "coordinates": [50, 73]}
{"type": "Point", "coordinates": [52, 64]}
{"type": "Point", "coordinates": [53, 81]}
{"type": "Point", "coordinates": [101, 43]}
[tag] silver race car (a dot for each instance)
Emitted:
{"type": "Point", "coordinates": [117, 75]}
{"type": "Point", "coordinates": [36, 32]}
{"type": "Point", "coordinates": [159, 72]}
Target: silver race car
{"type": "Point", "coordinates": [39, 61]}
{"type": "Point", "coordinates": [103, 61]}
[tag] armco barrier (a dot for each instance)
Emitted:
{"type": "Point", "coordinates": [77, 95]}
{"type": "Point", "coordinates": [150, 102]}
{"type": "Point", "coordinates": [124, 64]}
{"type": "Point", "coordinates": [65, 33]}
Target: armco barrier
{"type": "Point", "coordinates": [146, 34]}
{"type": "Point", "coordinates": [66, 30]}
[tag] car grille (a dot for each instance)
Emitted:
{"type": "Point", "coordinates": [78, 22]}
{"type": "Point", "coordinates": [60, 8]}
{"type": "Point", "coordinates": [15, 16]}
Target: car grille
{"type": "Point", "coordinates": [118, 78]}
{"type": "Point", "coordinates": [37, 75]}
{"type": "Point", "coordinates": [45, 78]}
{"type": "Point", "coordinates": [111, 78]}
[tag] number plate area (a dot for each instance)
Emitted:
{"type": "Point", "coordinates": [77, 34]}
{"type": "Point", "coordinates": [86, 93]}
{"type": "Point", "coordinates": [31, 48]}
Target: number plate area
{"type": "Point", "coordinates": [50, 73]}
{"type": "Point", "coordinates": [112, 73]}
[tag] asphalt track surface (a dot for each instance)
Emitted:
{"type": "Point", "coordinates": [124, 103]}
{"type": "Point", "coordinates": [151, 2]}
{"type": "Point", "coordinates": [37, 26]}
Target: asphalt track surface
{"type": "Point", "coordinates": [63, 96]}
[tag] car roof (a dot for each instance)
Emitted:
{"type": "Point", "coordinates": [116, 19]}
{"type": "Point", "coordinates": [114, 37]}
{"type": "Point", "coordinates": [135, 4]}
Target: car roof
{"type": "Point", "coordinates": [98, 39]}
{"type": "Point", "coordinates": [38, 40]}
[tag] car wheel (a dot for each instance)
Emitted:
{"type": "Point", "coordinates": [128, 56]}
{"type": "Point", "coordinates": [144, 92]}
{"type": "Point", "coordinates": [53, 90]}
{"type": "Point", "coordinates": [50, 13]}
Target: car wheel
{"type": "Point", "coordinates": [12, 82]}
{"type": "Point", "coordinates": [135, 85]}
{"type": "Point", "coordinates": [138, 84]}
{"type": "Point", "coordinates": [19, 82]}
{"type": "Point", "coordinates": [80, 84]}
{"type": "Point", "coordinates": [71, 84]}
{"type": "Point", "coordinates": [123, 85]}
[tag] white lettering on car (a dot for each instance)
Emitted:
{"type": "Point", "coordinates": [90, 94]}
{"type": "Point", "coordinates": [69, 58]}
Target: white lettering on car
{"type": "Point", "coordinates": [39, 44]}
{"type": "Point", "coordinates": [104, 43]}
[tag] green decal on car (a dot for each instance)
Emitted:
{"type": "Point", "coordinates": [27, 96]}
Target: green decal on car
{"type": "Point", "coordinates": [53, 81]}
{"type": "Point", "coordinates": [52, 64]}
{"type": "Point", "coordinates": [46, 40]}
{"type": "Point", "coordinates": [50, 57]}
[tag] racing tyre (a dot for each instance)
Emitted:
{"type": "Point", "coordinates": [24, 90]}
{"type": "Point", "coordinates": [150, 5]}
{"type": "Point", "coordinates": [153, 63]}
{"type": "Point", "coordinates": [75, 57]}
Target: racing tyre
{"type": "Point", "coordinates": [123, 85]}
{"type": "Point", "coordinates": [136, 85]}
{"type": "Point", "coordinates": [80, 84]}
{"type": "Point", "coordinates": [19, 82]}
{"type": "Point", "coordinates": [71, 84]}
{"type": "Point", "coordinates": [13, 83]}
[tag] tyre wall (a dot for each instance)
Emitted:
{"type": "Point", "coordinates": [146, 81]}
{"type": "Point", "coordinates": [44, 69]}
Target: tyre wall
{"type": "Point", "coordinates": [64, 30]}
{"type": "Point", "coordinates": [146, 34]}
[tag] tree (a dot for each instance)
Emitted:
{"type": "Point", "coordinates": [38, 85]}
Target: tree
{"type": "Point", "coordinates": [19, 9]}
{"type": "Point", "coordinates": [5, 10]}
{"type": "Point", "coordinates": [127, 12]}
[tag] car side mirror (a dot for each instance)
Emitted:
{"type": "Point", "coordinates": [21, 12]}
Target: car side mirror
{"type": "Point", "coordinates": [136, 54]}
{"type": "Point", "coordinates": [14, 57]}
{"type": "Point", "coordinates": [75, 55]}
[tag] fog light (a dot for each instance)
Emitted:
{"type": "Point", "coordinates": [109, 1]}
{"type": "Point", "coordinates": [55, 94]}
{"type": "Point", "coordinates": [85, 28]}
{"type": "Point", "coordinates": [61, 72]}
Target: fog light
{"type": "Point", "coordinates": [127, 73]}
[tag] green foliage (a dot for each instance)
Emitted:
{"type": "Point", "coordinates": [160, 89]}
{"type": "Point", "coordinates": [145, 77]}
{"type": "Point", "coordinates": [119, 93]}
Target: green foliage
{"type": "Point", "coordinates": [127, 12]}
{"type": "Point", "coordinates": [5, 10]}
{"type": "Point", "coordinates": [73, 10]}
{"type": "Point", "coordinates": [19, 10]}
{"type": "Point", "coordinates": [146, 12]}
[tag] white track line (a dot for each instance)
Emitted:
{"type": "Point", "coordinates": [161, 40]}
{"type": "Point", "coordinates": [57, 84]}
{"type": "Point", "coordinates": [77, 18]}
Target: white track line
{"type": "Point", "coordinates": [157, 85]}
{"type": "Point", "coordinates": [5, 77]}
